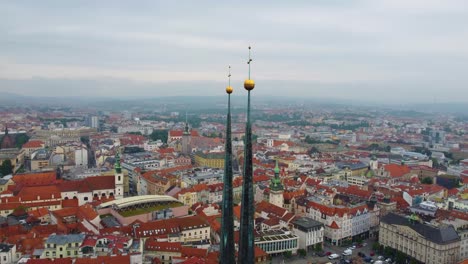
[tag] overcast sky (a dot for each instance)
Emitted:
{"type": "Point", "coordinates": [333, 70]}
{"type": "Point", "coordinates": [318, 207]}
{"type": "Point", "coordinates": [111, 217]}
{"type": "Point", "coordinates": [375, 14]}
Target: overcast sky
{"type": "Point", "coordinates": [382, 50]}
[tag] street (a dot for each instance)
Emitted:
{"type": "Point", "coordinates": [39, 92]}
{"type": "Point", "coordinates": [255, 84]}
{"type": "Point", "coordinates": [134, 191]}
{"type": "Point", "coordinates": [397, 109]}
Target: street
{"type": "Point", "coordinates": [313, 259]}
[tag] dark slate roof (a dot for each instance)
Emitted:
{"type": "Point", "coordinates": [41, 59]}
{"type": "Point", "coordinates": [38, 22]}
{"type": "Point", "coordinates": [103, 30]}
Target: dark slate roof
{"type": "Point", "coordinates": [306, 223]}
{"type": "Point", "coordinates": [438, 235]}
{"type": "Point", "coordinates": [5, 247]}
{"type": "Point", "coordinates": [351, 165]}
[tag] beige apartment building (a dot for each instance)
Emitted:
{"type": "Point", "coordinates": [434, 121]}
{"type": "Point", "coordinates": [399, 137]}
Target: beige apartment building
{"type": "Point", "coordinates": [426, 243]}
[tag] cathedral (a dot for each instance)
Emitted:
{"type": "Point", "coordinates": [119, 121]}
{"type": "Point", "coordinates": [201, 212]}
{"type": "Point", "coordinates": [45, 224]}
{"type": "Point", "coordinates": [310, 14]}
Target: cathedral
{"type": "Point", "coordinates": [8, 140]}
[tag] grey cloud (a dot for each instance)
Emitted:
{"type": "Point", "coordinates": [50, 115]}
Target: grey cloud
{"type": "Point", "coordinates": [349, 47]}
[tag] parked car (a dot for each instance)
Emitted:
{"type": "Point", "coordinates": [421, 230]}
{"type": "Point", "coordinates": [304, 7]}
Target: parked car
{"type": "Point", "coordinates": [380, 257]}
{"type": "Point", "coordinates": [352, 247]}
{"type": "Point", "coordinates": [333, 256]}
{"type": "Point", "coordinates": [389, 260]}
{"type": "Point", "coordinates": [347, 252]}
{"type": "Point", "coordinates": [360, 254]}
{"type": "Point", "coordinates": [372, 253]}
{"type": "Point", "coordinates": [328, 253]}
{"type": "Point", "coordinates": [368, 259]}
{"type": "Point", "coordinates": [321, 254]}
{"type": "Point", "coordinates": [364, 244]}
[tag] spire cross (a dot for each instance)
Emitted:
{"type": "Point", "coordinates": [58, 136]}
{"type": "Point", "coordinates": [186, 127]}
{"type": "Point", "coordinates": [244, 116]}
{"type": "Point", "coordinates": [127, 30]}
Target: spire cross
{"type": "Point", "coordinates": [229, 75]}
{"type": "Point", "coordinates": [249, 61]}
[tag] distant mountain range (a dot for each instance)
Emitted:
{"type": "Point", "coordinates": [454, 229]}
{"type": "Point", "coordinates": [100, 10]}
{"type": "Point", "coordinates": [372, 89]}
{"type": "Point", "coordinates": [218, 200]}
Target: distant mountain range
{"type": "Point", "coordinates": [218, 102]}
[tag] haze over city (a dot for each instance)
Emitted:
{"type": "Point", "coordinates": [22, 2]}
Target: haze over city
{"type": "Point", "coordinates": [242, 132]}
{"type": "Point", "coordinates": [392, 51]}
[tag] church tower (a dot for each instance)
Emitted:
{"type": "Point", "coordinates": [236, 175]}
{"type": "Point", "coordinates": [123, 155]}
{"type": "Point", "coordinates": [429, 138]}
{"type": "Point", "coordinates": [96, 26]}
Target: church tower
{"type": "Point", "coordinates": [374, 163]}
{"type": "Point", "coordinates": [186, 139]}
{"type": "Point", "coordinates": [119, 178]}
{"type": "Point", "coordinates": [276, 189]}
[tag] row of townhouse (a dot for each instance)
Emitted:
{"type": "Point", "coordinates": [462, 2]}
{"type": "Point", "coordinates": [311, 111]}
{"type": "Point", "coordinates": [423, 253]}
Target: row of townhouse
{"type": "Point", "coordinates": [344, 224]}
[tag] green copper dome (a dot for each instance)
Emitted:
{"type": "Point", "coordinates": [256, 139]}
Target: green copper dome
{"type": "Point", "coordinates": [277, 170]}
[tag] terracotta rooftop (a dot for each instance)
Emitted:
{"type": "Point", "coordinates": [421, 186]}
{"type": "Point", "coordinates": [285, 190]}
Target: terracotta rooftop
{"type": "Point", "coordinates": [34, 144]}
{"type": "Point", "coordinates": [396, 170]}
{"type": "Point", "coordinates": [35, 179]}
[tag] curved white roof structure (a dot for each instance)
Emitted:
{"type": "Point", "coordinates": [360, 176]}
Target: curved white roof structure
{"type": "Point", "coordinates": [135, 200]}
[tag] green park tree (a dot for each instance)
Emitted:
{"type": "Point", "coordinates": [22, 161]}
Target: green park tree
{"type": "Point", "coordinates": [427, 180]}
{"type": "Point", "coordinates": [6, 167]}
{"type": "Point", "coordinates": [159, 134]}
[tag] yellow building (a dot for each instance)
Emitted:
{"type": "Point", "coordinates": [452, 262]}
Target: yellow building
{"type": "Point", "coordinates": [63, 246]}
{"type": "Point", "coordinates": [426, 243]}
{"type": "Point", "coordinates": [188, 198]}
{"type": "Point", "coordinates": [16, 156]}
{"type": "Point", "coordinates": [4, 184]}
{"type": "Point", "coordinates": [211, 160]}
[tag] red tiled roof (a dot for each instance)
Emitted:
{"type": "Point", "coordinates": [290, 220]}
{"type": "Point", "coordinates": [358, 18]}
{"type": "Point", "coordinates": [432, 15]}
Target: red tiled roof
{"type": "Point", "coordinates": [69, 203]}
{"type": "Point", "coordinates": [39, 212]}
{"type": "Point", "coordinates": [237, 211]}
{"type": "Point", "coordinates": [356, 191]}
{"type": "Point", "coordinates": [179, 133]}
{"type": "Point", "coordinates": [272, 221]}
{"type": "Point", "coordinates": [193, 252]}
{"type": "Point", "coordinates": [259, 253]}
{"type": "Point", "coordinates": [340, 211]}
{"type": "Point", "coordinates": [401, 203]}
{"type": "Point", "coordinates": [334, 225]}
{"type": "Point", "coordinates": [89, 184]}
{"type": "Point", "coordinates": [270, 208]}
{"type": "Point", "coordinates": [166, 150]}
{"type": "Point", "coordinates": [35, 179]}
{"type": "Point", "coordinates": [260, 178]}
{"type": "Point", "coordinates": [35, 193]}
{"type": "Point", "coordinates": [43, 230]}
{"type": "Point", "coordinates": [33, 144]}
{"type": "Point", "coordinates": [277, 143]}
{"type": "Point", "coordinates": [51, 261]}
{"type": "Point", "coordinates": [154, 245]}
{"type": "Point", "coordinates": [289, 195]}
{"type": "Point", "coordinates": [396, 170]}
{"type": "Point", "coordinates": [465, 178]}
{"type": "Point", "coordinates": [124, 259]}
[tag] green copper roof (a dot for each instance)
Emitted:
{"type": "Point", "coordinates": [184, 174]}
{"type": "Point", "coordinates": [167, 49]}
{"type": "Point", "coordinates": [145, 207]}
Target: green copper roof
{"type": "Point", "coordinates": [276, 184]}
{"type": "Point", "coordinates": [117, 167]}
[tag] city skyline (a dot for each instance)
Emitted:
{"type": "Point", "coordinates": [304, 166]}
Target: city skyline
{"type": "Point", "coordinates": [385, 51]}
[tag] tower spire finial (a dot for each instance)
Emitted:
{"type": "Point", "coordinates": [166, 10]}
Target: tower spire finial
{"type": "Point", "coordinates": [227, 247]}
{"type": "Point", "coordinates": [250, 60]}
{"type": "Point", "coordinates": [246, 242]}
{"type": "Point", "coordinates": [229, 76]}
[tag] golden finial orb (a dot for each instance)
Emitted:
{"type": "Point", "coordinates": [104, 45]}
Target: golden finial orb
{"type": "Point", "coordinates": [229, 89]}
{"type": "Point", "coordinates": [249, 84]}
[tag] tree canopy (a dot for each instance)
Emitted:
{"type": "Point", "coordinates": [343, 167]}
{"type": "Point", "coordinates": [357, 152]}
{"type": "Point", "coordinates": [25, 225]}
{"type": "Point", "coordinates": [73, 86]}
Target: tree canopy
{"type": "Point", "coordinates": [159, 134]}
{"type": "Point", "coordinates": [6, 167]}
